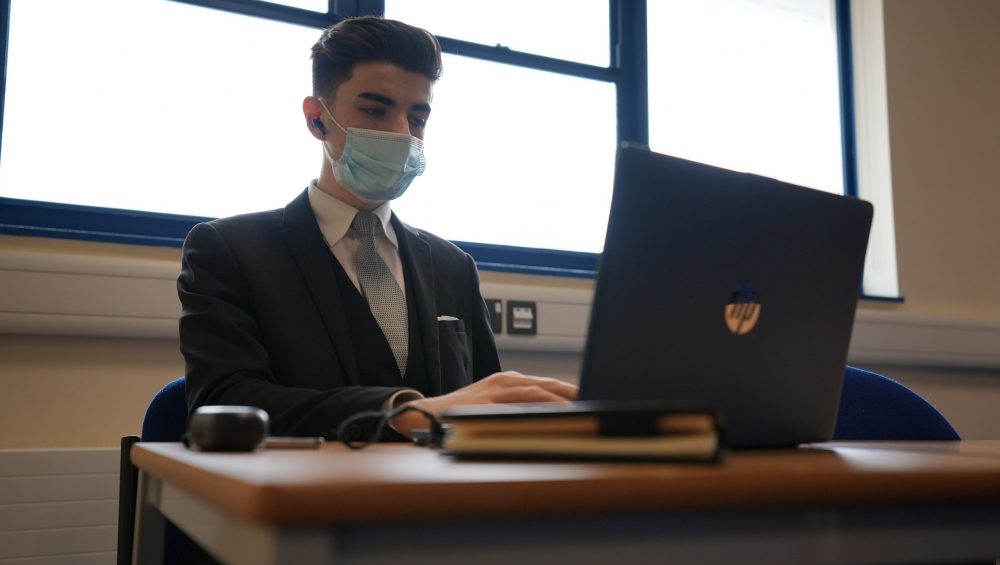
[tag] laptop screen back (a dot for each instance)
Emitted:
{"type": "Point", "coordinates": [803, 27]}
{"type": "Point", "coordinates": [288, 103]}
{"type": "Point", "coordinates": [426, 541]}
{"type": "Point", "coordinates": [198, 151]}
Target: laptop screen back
{"type": "Point", "coordinates": [729, 289]}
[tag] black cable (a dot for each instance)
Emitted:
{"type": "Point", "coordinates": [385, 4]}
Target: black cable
{"type": "Point", "coordinates": [385, 416]}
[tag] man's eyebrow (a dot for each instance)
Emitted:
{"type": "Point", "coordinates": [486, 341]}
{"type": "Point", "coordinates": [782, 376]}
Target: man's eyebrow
{"type": "Point", "coordinates": [383, 99]}
{"type": "Point", "coordinates": [380, 98]}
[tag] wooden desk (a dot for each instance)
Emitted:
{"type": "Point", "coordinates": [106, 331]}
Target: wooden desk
{"type": "Point", "coordinates": [845, 503]}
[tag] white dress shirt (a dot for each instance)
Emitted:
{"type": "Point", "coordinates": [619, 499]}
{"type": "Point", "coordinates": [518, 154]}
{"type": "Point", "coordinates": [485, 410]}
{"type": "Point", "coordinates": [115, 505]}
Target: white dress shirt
{"type": "Point", "coordinates": [334, 218]}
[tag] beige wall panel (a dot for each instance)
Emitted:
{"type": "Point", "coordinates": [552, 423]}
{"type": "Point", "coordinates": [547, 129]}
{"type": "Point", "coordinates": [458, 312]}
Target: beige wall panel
{"type": "Point", "coordinates": [943, 77]}
{"type": "Point", "coordinates": [79, 391]}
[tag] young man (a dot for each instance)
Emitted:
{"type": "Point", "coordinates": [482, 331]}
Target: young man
{"type": "Point", "coordinates": [332, 305]}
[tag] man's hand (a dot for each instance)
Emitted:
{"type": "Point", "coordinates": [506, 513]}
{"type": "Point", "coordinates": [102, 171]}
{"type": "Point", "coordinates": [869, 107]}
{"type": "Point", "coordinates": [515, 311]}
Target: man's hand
{"type": "Point", "coordinates": [505, 387]}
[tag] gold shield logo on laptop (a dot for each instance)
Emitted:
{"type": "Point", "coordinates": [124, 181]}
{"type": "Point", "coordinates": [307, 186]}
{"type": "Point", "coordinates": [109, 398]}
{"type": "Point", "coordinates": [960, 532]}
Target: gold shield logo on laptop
{"type": "Point", "coordinates": [743, 311]}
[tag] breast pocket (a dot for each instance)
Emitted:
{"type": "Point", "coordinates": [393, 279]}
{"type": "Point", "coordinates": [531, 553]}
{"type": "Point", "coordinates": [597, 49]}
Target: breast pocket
{"type": "Point", "coordinates": [456, 354]}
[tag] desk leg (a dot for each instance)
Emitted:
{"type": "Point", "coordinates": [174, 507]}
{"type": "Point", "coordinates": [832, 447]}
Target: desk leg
{"type": "Point", "coordinates": [150, 525]}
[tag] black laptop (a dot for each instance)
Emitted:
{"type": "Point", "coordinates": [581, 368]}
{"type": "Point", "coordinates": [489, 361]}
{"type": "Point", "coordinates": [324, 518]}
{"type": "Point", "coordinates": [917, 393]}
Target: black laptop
{"type": "Point", "coordinates": [727, 289]}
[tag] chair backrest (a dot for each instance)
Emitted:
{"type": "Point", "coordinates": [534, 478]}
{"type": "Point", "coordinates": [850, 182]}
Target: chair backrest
{"type": "Point", "coordinates": [128, 481]}
{"type": "Point", "coordinates": [874, 407]}
{"type": "Point", "coordinates": [167, 414]}
{"type": "Point", "coordinates": [165, 420]}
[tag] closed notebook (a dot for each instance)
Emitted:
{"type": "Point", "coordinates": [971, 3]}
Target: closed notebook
{"type": "Point", "coordinates": [643, 430]}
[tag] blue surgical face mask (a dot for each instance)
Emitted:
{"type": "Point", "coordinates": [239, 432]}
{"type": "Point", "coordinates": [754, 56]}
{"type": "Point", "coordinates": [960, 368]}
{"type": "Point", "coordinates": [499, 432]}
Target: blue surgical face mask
{"type": "Point", "coordinates": [376, 165]}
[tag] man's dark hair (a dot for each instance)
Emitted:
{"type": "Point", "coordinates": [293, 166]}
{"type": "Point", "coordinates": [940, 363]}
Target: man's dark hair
{"type": "Point", "coordinates": [371, 39]}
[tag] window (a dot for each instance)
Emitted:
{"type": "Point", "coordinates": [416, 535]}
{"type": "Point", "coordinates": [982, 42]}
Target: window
{"type": "Point", "coordinates": [320, 6]}
{"type": "Point", "coordinates": [547, 148]}
{"type": "Point", "coordinates": [154, 112]}
{"type": "Point", "coordinates": [749, 85]}
{"type": "Point", "coordinates": [525, 26]}
{"type": "Point", "coordinates": [130, 120]}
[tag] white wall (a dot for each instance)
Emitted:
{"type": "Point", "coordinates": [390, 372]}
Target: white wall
{"type": "Point", "coordinates": [58, 507]}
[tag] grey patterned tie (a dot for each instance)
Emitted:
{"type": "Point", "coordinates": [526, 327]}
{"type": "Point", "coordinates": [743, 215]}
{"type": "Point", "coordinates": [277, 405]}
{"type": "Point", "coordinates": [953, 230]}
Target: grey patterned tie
{"type": "Point", "coordinates": [380, 288]}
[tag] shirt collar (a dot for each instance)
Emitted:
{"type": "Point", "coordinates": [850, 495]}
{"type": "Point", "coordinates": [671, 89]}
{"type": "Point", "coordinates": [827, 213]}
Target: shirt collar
{"type": "Point", "coordinates": [334, 216]}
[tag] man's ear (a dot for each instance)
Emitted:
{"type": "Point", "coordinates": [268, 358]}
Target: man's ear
{"type": "Point", "coordinates": [313, 113]}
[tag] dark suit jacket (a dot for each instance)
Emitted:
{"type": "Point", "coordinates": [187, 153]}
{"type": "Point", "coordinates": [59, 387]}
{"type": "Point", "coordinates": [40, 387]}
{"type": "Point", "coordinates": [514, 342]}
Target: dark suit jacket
{"type": "Point", "coordinates": [263, 325]}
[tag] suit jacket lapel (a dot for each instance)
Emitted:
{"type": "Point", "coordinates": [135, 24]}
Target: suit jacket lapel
{"type": "Point", "coordinates": [314, 258]}
{"type": "Point", "coordinates": [418, 263]}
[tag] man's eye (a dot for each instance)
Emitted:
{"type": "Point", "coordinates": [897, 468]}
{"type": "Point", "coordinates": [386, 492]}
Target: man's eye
{"type": "Point", "coordinates": [418, 123]}
{"type": "Point", "coordinates": [375, 112]}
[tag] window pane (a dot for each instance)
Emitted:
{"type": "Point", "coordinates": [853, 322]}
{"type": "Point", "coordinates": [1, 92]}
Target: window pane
{"type": "Point", "coordinates": [313, 5]}
{"type": "Point", "coordinates": [748, 85]}
{"type": "Point", "coordinates": [528, 166]}
{"type": "Point", "coordinates": [575, 30]}
{"type": "Point", "coordinates": [212, 125]}
{"type": "Point", "coordinates": [155, 105]}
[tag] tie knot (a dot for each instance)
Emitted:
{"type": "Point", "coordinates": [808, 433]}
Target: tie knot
{"type": "Point", "coordinates": [365, 223]}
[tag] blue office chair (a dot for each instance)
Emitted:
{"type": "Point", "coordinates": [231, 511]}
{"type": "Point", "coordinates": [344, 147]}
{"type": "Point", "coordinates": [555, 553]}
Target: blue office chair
{"type": "Point", "coordinates": [167, 414]}
{"type": "Point", "coordinates": [873, 407]}
{"type": "Point", "coordinates": [165, 420]}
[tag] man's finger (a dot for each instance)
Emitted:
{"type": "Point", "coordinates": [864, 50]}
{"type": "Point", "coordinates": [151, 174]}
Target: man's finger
{"type": "Point", "coordinates": [528, 394]}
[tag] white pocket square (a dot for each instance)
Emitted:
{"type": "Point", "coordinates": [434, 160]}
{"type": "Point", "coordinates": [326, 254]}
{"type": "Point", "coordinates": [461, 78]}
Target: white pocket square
{"type": "Point", "coordinates": [447, 319]}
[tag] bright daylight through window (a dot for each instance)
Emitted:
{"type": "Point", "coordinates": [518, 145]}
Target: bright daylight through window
{"type": "Point", "coordinates": [170, 107]}
{"type": "Point", "coordinates": [749, 85]}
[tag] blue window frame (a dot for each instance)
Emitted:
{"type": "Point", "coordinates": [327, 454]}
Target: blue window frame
{"type": "Point", "coordinates": [627, 71]}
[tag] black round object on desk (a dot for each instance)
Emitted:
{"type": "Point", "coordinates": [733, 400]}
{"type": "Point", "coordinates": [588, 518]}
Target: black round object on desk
{"type": "Point", "coordinates": [227, 428]}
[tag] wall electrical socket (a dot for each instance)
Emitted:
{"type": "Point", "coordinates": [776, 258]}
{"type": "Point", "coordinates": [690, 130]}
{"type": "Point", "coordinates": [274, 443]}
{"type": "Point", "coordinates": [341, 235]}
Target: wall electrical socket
{"type": "Point", "coordinates": [522, 317]}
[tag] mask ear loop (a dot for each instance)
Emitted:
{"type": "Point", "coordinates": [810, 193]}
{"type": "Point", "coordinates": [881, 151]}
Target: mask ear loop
{"type": "Point", "coordinates": [343, 430]}
{"type": "Point", "coordinates": [329, 113]}
{"type": "Point", "coordinates": [326, 150]}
